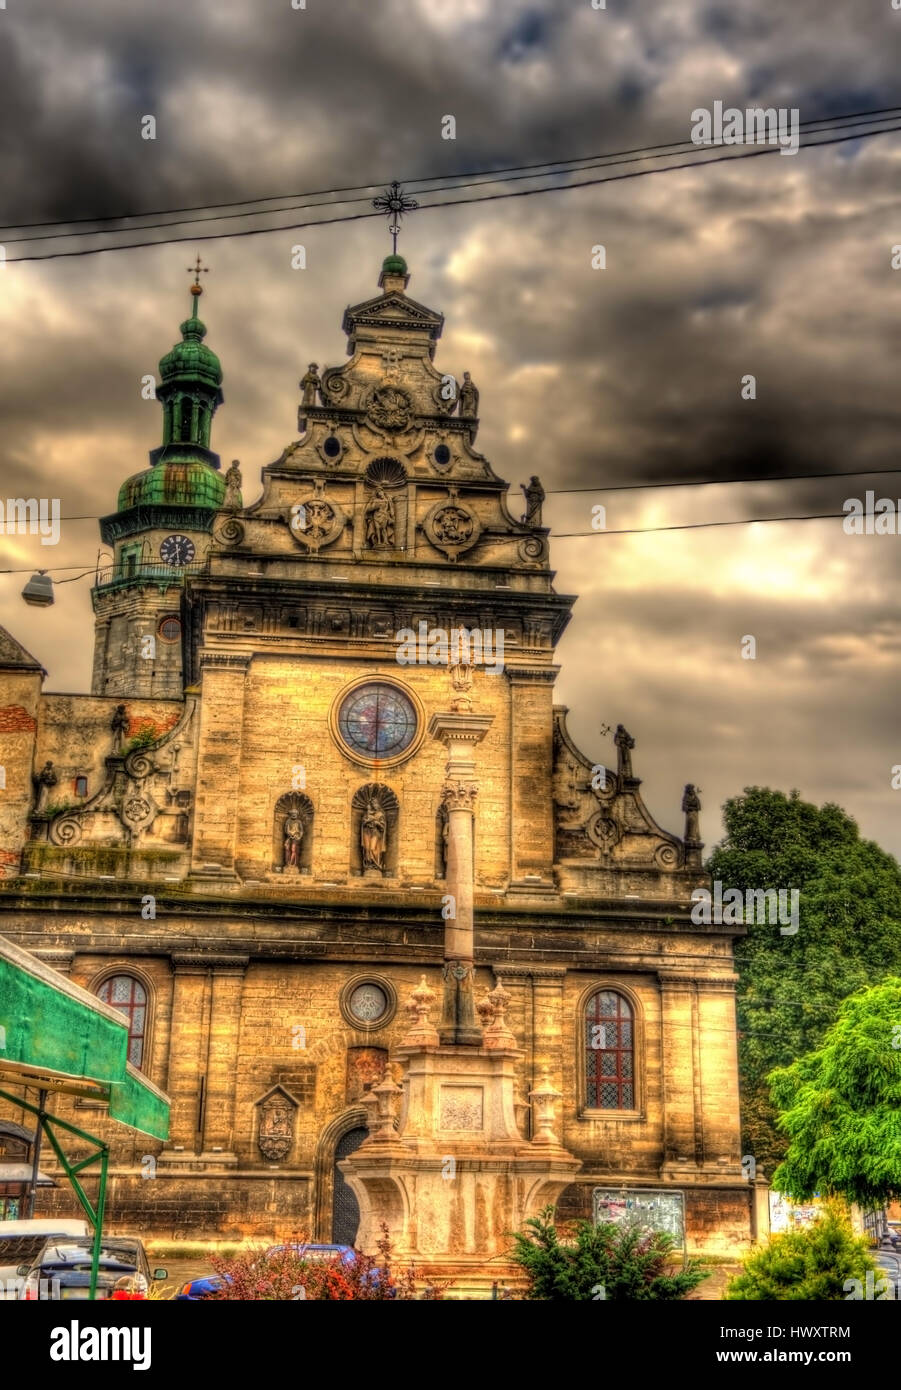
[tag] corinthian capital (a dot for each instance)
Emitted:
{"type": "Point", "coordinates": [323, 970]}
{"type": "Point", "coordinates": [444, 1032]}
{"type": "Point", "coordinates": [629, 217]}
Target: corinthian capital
{"type": "Point", "coordinates": [459, 795]}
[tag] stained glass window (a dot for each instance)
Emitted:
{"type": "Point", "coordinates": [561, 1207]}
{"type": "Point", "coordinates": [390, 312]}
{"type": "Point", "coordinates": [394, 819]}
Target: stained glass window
{"type": "Point", "coordinates": [377, 721]}
{"type": "Point", "coordinates": [609, 1052]}
{"type": "Point", "coordinates": [129, 995]}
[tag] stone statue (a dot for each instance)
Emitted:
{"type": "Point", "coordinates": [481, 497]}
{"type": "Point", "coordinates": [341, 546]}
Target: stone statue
{"type": "Point", "coordinates": [310, 385]}
{"type": "Point", "coordinates": [373, 835]}
{"type": "Point", "coordinates": [293, 829]}
{"type": "Point", "coordinates": [624, 745]}
{"type": "Point", "coordinates": [45, 780]}
{"type": "Point", "coordinates": [119, 726]}
{"type": "Point", "coordinates": [232, 499]}
{"type": "Point", "coordinates": [691, 805]}
{"type": "Point", "coordinates": [534, 495]}
{"type": "Point", "coordinates": [469, 398]}
{"type": "Point", "coordinates": [379, 518]}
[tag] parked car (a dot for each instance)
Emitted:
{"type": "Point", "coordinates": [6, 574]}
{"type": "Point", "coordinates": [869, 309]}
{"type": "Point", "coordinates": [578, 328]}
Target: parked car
{"type": "Point", "coordinates": [22, 1241]}
{"type": "Point", "coordinates": [208, 1285]}
{"type": "Point", "coordinates": [122, 1267]}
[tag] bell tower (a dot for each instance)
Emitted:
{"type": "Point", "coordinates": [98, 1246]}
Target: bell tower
{"type": "Point", "coordinates": [160, 532]}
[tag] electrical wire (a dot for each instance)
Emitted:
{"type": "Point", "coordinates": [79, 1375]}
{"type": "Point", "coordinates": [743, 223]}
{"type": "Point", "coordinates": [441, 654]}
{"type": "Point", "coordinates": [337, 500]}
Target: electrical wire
{"type": "Point", "coordinates": [449, 203]}
{"type": "Point", "coordinates": [488, 175]}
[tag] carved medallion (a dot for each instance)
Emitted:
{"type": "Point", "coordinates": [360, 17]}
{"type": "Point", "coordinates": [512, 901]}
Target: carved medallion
{"type": "Point", "coordinates": [137, 811]}
{"type": "Point", "coordinates": [604, 832]}
{"type": "Point", "coordinates": [315, 522]}
{"type": "Point", "coordinates": [390, 408]}
{"type": "Point", "coordinates": [452, 527]}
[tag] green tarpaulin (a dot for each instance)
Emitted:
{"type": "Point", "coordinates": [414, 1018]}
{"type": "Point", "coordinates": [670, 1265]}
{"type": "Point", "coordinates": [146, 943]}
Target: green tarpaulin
{"type": "Point", "coordinates": [51, 1029]}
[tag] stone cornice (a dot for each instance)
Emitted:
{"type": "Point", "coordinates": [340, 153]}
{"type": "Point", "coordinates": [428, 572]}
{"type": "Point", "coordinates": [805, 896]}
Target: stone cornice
{"type": "Point", "coordinates": [522, 675]}
{"type": "Point", "coordinates": [199, 963]}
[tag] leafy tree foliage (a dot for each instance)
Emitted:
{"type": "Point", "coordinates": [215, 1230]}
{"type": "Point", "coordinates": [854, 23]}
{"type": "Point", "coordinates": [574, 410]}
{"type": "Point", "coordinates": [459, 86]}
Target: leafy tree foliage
{"type": "Point", "coordinates": [625, 1261]}
{"type": "Point", "coordinates": [842, 1105]}
{"type": "Point", "coordinates": [813, 1262]}
{"type": "Point", "coordinates": [849, 936]}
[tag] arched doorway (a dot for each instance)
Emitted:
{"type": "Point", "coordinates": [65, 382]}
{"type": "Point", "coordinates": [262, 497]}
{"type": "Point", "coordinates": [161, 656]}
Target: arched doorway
{"type": "Point", "coordinates": [345, 1208]}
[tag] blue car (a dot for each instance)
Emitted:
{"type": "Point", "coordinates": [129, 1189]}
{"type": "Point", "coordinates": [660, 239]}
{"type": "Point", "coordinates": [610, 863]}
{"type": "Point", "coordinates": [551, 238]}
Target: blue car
{"type": "Point", "coordinates": [208, 1285]}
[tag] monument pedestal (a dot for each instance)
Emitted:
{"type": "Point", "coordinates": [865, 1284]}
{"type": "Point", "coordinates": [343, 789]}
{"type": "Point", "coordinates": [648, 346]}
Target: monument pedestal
{"type": "Point", "coordinates": [456, 1177]}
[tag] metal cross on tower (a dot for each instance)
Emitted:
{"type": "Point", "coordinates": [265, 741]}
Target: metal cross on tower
{"type": "Point", "coordinates": [393, 202]}
{"type": "Point", "coordinates": [197, 270]}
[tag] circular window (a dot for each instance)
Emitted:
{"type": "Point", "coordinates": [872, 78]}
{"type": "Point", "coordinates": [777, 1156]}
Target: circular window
{"type": "Point", "coordinates": [442, 454]}
{"type": "Point", "coordinates": [377, 722]}
{"type": "Point", "coordinates": [170, 629]}
{"type": "Point", "coordinates": [367, 1002]}
{"type": "Point", "coordinates": [332, 447]}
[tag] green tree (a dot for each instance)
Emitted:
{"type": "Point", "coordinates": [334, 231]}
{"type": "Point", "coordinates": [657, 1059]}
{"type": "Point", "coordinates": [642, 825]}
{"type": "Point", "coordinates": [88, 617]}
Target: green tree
{"type": "Point", "coordinates": [841, 1105]}
{"type": "Point", "coordinates": [849, 936]}
{"type": "Point", "coordinates": [812, 1263]}
{"type": "Point", "coordinates": [600, 1262]}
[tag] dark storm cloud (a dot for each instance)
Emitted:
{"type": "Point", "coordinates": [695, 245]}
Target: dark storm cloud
{"type": "Point", "coordinates": [778, 267]}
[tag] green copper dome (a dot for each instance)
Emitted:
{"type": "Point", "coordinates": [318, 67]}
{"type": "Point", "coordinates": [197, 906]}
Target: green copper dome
{"type": "Point", "coordinates": [394, 265]}
{"type": "Point", "coordinates": [190, 484]}
{"type": "Point", "coordinates": [191, 359]}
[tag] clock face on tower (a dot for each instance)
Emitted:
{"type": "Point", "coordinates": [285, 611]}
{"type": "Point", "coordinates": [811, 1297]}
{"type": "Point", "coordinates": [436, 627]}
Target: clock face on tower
{"type": "Point", "coordinates": [377, 722]}
{"type": "Point", "coordinates": [177, 551]}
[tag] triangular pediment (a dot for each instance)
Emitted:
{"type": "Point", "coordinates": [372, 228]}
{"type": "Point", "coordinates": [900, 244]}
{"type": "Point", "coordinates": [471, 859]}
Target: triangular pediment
{"type": "Point", "coordinates": [395, 309]}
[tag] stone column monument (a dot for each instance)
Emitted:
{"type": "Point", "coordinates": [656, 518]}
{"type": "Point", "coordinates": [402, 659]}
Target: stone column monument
{"type": "Point", "coordinates": [445, 1165]}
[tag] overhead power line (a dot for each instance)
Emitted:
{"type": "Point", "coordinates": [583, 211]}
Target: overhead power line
{"type": "Point", "coordinates": [640, 487]}
{"type": "Point", "coordinates": [555, 536]}
{"type": "Point", "coordinates": [477, 181]}
{"type": "Point", "coordinates": [489, 175]}
{"type": "Point", "coordinates": [706, 482]}
{"type": "Point", "coordinates": [698, 161]}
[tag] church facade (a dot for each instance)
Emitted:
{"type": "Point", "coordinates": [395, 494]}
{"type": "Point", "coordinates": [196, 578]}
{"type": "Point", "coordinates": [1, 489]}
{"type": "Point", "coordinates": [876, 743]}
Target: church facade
{"type": "Point", "coordinates": [240, 836]}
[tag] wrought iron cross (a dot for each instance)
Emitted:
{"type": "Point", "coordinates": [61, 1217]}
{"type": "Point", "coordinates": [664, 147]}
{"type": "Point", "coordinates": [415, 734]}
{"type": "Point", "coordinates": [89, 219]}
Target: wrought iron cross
{"type": "Point", "coordinates": [198, 270]}
{"type": "Point", "coordinates": [393, 202]}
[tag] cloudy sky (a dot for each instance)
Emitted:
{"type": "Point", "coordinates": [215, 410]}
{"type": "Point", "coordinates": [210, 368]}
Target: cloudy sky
{"type": "Point", "coordinates": [780, 267]}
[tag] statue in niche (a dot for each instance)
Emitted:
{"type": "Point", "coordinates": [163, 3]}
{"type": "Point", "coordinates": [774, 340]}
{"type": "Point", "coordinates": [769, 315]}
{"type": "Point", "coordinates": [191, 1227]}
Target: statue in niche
{"type": "Point", "coordinates": [624, 745]}
{"type": "Point", "coordinates": [373, 835]}
{"type": "Point", "coordinates": [469, 398]}
{"type": "Point", "coordinates": [310, 385]}
{"type": "Point", "coordinates": [691, 805]}
{"type": "Point", "coordinates": [44, 782]}
{"type": "Point", "coordinates": [119, 726]}
{"type": "Point", "coordinates": [379, 519]}
{"type": "Point", "coordinates": [232, 499]}
{"type": "Point", "coordinates": [293, 835]}
{"type": "Point", "coordinates": [534, 495]}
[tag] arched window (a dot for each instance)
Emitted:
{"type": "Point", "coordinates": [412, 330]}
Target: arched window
{"type": "Point", "coordinates": [186, 415]}
{"type": "Point", "coordinates": [126, 993]}
{"type": "Point", "coordinates": [609, 1052]}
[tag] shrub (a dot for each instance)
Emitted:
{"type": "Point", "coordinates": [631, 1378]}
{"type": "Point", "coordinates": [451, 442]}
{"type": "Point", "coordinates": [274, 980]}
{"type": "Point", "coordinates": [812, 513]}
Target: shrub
{"type": "Point", "coordinates": [811, 1263]}
{"type": "Point", "coordinates": [284, 1274]}
{"type": "Point", "coordinates": [626, 1260]}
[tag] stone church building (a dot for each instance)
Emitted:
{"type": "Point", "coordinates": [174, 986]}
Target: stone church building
{"type": "Point", "coordinates": [239, 837]}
